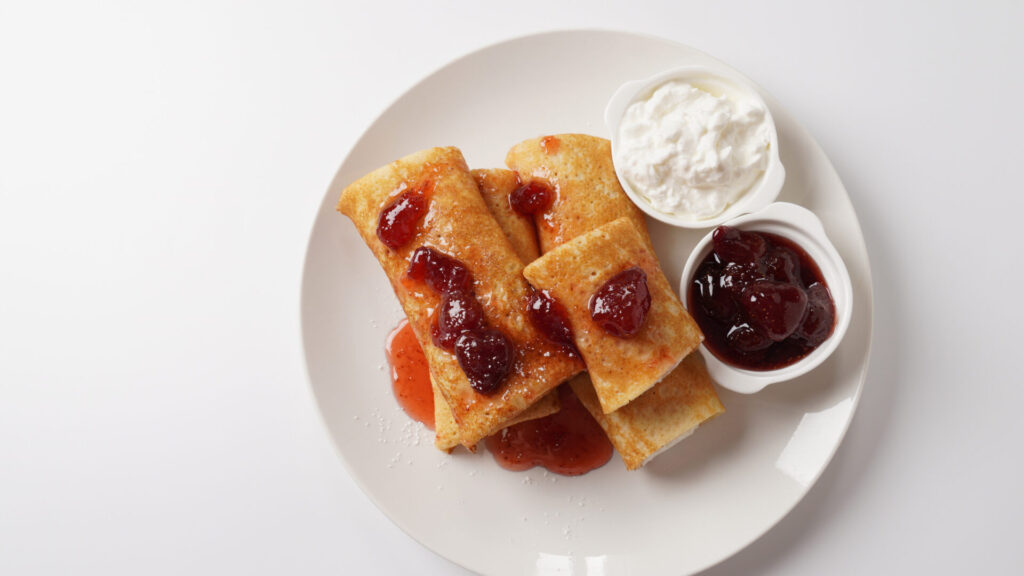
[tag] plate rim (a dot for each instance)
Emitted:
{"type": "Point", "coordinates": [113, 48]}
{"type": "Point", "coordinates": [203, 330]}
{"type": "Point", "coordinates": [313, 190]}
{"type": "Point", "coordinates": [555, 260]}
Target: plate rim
{"type": "Point", "coordinates": [324, 205]}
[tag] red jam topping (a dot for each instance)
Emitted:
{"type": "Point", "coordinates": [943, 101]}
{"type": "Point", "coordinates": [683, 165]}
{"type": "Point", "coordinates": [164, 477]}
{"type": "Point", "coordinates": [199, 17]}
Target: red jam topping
{"type": "Point", "coordinates": [485, 355]}
{"type": "Point", "coordinates": [550, 144]}
{"type": "Point", "coordinates": [620, 306]}
{"type": "Point", "coordinates": [458, 325]}
{"type": "Point", "coordinates": [442, 273]}
{"type": "Point", "coordinates": [550, 319]}
{"type": "Point", "coordinates": [459, 312]}
{"type": "Point", "coordinates": [400, 219]}
{"type": "Point", "coordinates": [531, 198]}
{"type": "Point", "coordinates": [568, 442]}
{"type": "Point", "coordinates": [410, 376]}
{"type": "Point", "coordinates": [774, 308]}
{"type": "Point", "coordinates": [760, 300]}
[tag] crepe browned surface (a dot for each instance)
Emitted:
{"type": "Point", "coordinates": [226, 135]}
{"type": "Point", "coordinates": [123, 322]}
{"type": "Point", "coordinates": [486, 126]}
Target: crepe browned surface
{"type": "Point", "coordinates": [495, 186]}
{"type": "Point", "coordinates": [661, 416]}
{"type": "Point", "coordinates": [459, 224]}
{"type": "Point", "coordinates": [579, 168]}
{"type": "Point", "coordinates": [621, 368]}
{"type": "Point", "coordinates": [446, 430]}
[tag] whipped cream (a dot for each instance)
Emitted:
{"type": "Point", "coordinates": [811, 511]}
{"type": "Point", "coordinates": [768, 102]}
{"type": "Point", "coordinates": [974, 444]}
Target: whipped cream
{"type": "Point", "coordinates": [692, 153]}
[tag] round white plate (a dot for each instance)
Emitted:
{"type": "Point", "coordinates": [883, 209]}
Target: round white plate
{"type": "Point", "coordinates": [693, 506]}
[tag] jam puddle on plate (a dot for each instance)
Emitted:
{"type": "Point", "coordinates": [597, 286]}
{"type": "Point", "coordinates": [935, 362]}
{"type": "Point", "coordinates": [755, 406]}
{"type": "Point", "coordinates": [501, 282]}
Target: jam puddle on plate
{"type": "Point", "coordinates": [569, 442]}
{"type": "Point", "coordinates": [410, 377]}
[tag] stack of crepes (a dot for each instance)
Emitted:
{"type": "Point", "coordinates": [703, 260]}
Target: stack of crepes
{"type": "Point", "coordinates": [647, 391]}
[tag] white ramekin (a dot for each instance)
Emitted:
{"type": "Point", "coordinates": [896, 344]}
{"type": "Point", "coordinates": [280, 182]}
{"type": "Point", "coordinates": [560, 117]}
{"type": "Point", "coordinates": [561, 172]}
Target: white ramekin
{"type": "Point", "coordinates": [717, 80]}
{"type": "Point", "coordinates": [805, 229]}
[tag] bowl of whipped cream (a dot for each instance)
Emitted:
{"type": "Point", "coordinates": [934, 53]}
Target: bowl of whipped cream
{"type": "Point", "coordinates": [695, 146]}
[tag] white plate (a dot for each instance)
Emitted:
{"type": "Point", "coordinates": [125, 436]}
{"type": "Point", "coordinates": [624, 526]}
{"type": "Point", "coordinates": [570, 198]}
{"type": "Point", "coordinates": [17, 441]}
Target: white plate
{"type": "Point", "coordinates": [693, 506]}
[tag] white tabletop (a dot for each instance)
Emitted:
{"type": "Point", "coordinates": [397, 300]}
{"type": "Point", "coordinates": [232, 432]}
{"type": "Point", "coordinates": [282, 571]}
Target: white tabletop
{"type": "Point", "coordinates": [160, 166]}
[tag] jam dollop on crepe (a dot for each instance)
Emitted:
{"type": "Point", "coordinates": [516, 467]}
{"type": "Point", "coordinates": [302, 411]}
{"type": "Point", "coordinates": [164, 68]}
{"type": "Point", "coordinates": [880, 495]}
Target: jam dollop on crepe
{"type": "Point", "coordinates": [459, 224]}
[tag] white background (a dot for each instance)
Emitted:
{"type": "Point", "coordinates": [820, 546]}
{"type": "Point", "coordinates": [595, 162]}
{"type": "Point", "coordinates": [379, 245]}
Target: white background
{"type": "Point", "coordinates": [160, 166]}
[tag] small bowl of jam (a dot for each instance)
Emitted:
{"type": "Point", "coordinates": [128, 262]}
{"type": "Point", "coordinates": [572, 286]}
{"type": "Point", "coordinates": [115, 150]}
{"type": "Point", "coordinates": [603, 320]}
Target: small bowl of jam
{"type": "Point", "coordinates": [771, 295]}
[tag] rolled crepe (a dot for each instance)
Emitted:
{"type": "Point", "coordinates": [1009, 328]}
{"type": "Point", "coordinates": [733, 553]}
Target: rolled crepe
{"type": "Point", "coordinates": [660, 417]}
{"type": "Point", "coordinates": [459, 224]}
{"type": "Point", "coordinates": [495, 186]}
{"type": "Point", "coordinates": [446, 430]}
{"type": "Point", "coordinates": [620, 368]}
{"type": "Point", "coordinates": [579, 169]}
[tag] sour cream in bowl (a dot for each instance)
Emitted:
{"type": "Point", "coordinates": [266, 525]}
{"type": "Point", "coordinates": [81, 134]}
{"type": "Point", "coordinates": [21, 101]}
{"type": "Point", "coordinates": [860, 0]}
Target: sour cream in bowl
{"type": "Point", "coordinates": [694, 147]}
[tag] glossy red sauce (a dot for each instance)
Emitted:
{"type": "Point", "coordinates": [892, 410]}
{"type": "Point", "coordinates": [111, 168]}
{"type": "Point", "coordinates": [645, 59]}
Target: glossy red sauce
{"type": "Point", "coordinates": [760, 300]}
{"type": "Point", "coordinates": [531, 198]}
{"type": "Point", "coordinates": [485, 354]}
{"type": "Point", "coordinates": [550, 144]}
{"type": "Point", "coordinates": [410, 377]}
{"type": "Point", "coordinates": [569, 442]}
{"type": "Point", "coordinates": [551, 319]}
{"type": "Point", "coordinates": [621, 305]}
{"type": "Point", "coordinates": [440, 272]}
{"type": "Point", "coordinates": [399, 220]}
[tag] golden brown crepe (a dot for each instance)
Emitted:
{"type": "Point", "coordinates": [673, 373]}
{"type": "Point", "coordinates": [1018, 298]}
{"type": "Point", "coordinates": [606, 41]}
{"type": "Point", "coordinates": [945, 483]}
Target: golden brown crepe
{"type": "Point", "coordinates": [620, 368]}
{"type": "Point", "coordinates": [446, 430]}
{"type": "Point", "coordinates": [660, 417]}
{"type": "Point", "coordinates": [579, 168]}
{"type": "Point", "coordinates": [459, 224]}
{"type": "Point", "coordinates": [495, 186]}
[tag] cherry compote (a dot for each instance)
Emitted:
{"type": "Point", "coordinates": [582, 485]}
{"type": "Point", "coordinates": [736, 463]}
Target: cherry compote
{"type": "Point", "coordinates": [459, 312]}
{"type": "Point", "coordinates": [620, 306]}
{"type": "Point", "coordinates": [486, 356]}
{"type": "Point", "coordinates": [442, 273]}
{"type": "Point", "coordinates": [399, 220]}
{"type": "Point", "coordinates": [569, 442]}
{"type": "Point", "coordinates": [550, 319]}
{"type": "Point", "coordinates": [458, 325]}
{"type": "Point", "coordinates": [760, 300]}
{"type": "Point", "coordinates": [531, 198]}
